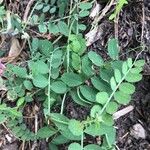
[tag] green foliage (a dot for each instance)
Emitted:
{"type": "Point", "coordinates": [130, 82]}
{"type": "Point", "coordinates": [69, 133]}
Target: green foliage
{"type": "Point", "coordinates": [118, 8]}
{"type": "Point", "coordinates": [64, 70]}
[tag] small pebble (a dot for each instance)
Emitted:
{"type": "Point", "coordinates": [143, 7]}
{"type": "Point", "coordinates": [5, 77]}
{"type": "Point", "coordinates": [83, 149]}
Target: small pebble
{"type": "Point", "coordinates": [138, 131]}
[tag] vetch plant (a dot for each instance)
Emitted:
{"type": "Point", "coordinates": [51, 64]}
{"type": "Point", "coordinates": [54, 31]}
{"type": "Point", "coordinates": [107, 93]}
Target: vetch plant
{"type": "Point", "coordinates": [110, 84]}
{"type": "Point", "coordinates": [63, 68]}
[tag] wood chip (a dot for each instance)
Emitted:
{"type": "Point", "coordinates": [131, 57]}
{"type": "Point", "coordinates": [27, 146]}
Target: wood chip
{"type": "Point", "coordinates": [122, 112]}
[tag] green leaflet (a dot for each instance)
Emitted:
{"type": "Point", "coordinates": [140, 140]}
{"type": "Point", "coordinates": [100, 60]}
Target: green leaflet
{"type": "Point", "coordinates": [59, 87]}
{"type": "Point", "coordinates": [19, 71]}
{"type": "Point", "coordinates": [127, 88]}
{"type": "Point", "coordinates": [75, 127]}
{"type": "Point", "coordinates": [28, 85]}
{"type": "Point", "coordinates": [95, 58]}
{"type": "Point", "coordinates": [117, 75]}
{"type": "Point", "coordinates": [77, 44]}
{"type": "Point", "coordinates": [40, 81]}
{"type": "Point", "coordinates": [72, 79]}
{"type": "Point", "coordinates": [139, 63]}
{"type": "Point", "coordinates": [88, 92]}
{"type": "Point", "coordinates": [124, 67]}
{"type": "Point", "coordinates": [74, 146]}
{"type": "Point", "coordinates": [102, 97]}
{"type": "Point", "coordinates": [133, 77]}
{"type": "Point", "coordinates": [95, 110]}
{"type": "Point", "coordinates": [92, 147]}
{"type": "Point", "coordinates": [113, 83]}
{"type": "Point", "coordinates": [113, 49]}
{"type": "Point", "coordinates": [112, 107]}
{"type": "Point", "coordinates": [76, 61]}
{"type": "Point", "coordinates": [46, 47]}
{"type": "Point", "coordinates": [100, 85]}
{"type": "Point", "coordinates": [87, 66]}
{"type": "Point", "coordinates": [60, 139]}
{"type": "Point", "coordinates": [63, 28]}
{"type": "Point", "coordinates": [122, 98]}
{"type": "Point", "coordinates": [46, 132]}
{"type": "Point", "coordinates": [106, 74]}
{"type": "Point", "coordinates": [85, 6]}
{"type": "Point", "coordinates": [38, 67]}
{"type": "Point", "coordinates": [56, 58]}
{"type": "Point", "coordinates": [77, 100]}
{"type": "Point", "coordinates": [69, 135]}
{"type": "Point", "coordinates": [107, 119]}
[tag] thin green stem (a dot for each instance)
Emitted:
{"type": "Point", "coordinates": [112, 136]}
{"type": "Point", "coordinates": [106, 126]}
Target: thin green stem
{"type": "Point", "coordinates": [82, 140]}
{"type": "Point", "coordinates": [62, 104]}
{"type": "Point", "coordinates": [49, 85]}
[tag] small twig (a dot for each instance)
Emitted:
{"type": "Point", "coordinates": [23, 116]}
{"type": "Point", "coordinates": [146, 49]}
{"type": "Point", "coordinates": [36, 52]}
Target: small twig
{"type": "Point", "coordinates": [122, 112]}
{"type": "Point", "coordinates": [105, 10]}
{"type": "Point", "coordinates": [143, 22]}
{"type": "Point", "coordinates": [23, 145]}
{"type": "Point", "coordinates": [116, 26]}
{"type": "Point", "coordinates": [25, 17]}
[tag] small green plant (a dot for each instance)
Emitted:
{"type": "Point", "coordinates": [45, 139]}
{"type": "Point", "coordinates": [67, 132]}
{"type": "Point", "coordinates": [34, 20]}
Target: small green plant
{"type": "Point", "coordinates": [60, 69]}
{"type": "Point", "coordinates": [118, 8]}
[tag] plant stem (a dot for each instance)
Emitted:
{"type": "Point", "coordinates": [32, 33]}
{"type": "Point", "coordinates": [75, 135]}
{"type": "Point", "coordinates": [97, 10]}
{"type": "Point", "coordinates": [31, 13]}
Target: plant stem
{"type": "Point", "coordinates": [82, 140]}
{"type": "Point", "coordinates": [26, 23]}
{"type": "Point", "coordinates": [62, 104]}
{"type": "Point", "coordinates": [49, 86]}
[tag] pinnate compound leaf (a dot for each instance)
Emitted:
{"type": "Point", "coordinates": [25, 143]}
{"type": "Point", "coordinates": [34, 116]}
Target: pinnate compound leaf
{"type": "Point", "coordinates": [133, 77]}
{"type": "Point", "coordinates": [127, 88]}
{"type": "Point", "coordinates": [71, 79]}
{"type": "Point", "coordinates": [102, 97]}
{"type": "Point", "coordinates": [95, 58]}
{"type": "Point", "coordinates": [75, 127]}
{"type": "Point", "coordinates": [117, 74]}
{"type": "Point", "coordinates": [59, 87]}
{"type": "Point", "coordinates": [74, 146]}
{"type": "Point", "coordinates": [40, 81]}
{"type": "Point", "coordinates": [113, 49]}
{"type": "Point", "coordinates": [122, 98]}
{"type": "Point", "coordinates": [112, 107]}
